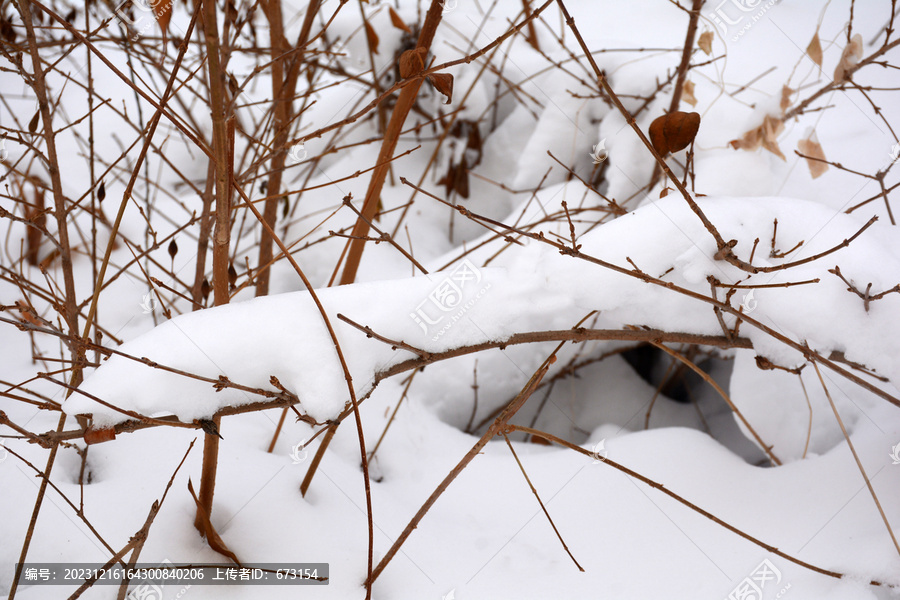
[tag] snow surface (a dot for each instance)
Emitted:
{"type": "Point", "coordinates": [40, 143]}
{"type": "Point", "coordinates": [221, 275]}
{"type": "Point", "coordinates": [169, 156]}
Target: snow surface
{"type": "Point", "coordinates": [487, 537]}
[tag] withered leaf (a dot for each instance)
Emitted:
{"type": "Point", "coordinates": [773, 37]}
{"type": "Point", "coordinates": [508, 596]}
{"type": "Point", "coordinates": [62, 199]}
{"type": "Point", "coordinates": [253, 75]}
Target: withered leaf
{"type": "Point", "coordinates": [212, 536]}
{"type": "Point", "coordinates": [232, 275]}
{"type": "Point", "coordinates": [849, 57]}
{"type": "Point", "coordinates": [173, 248]}
{"type": "Point", "coordinates": [204, 289]}
{"type": "Point", "coordinates": [101, 191]}
{"type": "Point", "coordinates": [705, 42]}
{"type": "Point", "coordinates": [443, 82]}
{"type": "Point", "coordinates": [96, 436]}
{"type": "Point", "coordinates": [786, 94]}
{"type": "Point", "coordinates": [396, 21]}
{"type": "Point", "coordinates": [27, 315]}
{"type": "Point", "coordinates": [32, 125]}
{"type": "Point", "coordinates": [372, 37]}
{"type": "Point", "coordinates": [766, 135]}
{"type": "Point", "coordinates": [412, 62]}
{"type": "Point", "coordinates": [812, 149]}
{"type": "Point", "coordinates": [674, 131]}
{"type": "Point", "coordinates": [687, 93]}
{"type": "Point", "coordinates": [814, 50]}
{"type": "Point", "coordinates": [163, 11]}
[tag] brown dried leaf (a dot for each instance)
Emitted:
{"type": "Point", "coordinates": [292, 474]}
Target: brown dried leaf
{"type": "Point", "coordinates": [766, 135]}
{"type": "Point", "coordinates": [687, 93]}
{"type": "Point", "coordinates": [849, 57]}
{"type": "Point", "coordinates": [705, 42]}
{"type": "Point", "coordinates": [35, 213]}
{"type": "Point", "coordinates": [372, 37]}
{"type": "Point", "coordinates": [674, 131]}
{"type": "Point", "coordinates": [96, 436]}
{"type": "Point", "coordinates": [412, 62]}
{"type": "Point", "coordinates": [786, 94]}
{"type": "Point", "coordinates": [163, 11]}
{"type": "Point", "coordinates": [396, 21]}
{"type": "Point", "coordinates": [814, 50]}
{"type": "Point", "coordinates": [212, 537]}
{"type": "Point", "coordinates": [443, 82]}
{"type": "Point", "coordinates": [27, 315]}
{"type": "Point", "coordinates": [32, 125]}
{"type": "Point", "coordinates": [771, 129]}
{"type": "Point", "coordinates": [813, 149]}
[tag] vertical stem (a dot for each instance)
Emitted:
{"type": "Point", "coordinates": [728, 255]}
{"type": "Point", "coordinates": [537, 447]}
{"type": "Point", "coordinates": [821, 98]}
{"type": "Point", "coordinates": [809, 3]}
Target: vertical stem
{"type": "Point", "coordinates": [404, 104]}
{"type": "Point", "coordinates": [223, 153]}
{"type": "Point", "coordinates": [283, 89]}
{"type": "Point", "coordinates": [686, 53]}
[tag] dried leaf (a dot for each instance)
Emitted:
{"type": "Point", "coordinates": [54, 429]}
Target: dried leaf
{"type": "Point", "coordinates": [101, 191]}
{"type": "Point", "coordinates": [786, 94]}
{"type": "Point", "coordinates": [674, 131]}
{"type": "Point", "coordinates": [687, 93]}
{"type": "Point", "coordinates": [32, 125]}
{"type": "Point", "coordinates": [443, 82]}
{"type": "Point", "coordinates": [173, 248]}
{"type": "Point", "coordinates": [204, 289]}
{"type": "Point", "coordinates": [396, 21]}
{"type": "Point", "coordinates": [766, 135]}
{"type": "Point", "coordinates": [163, 11]}
{"type": "Point", "coordinates": [7, 31]}
{"type": "Point", "coordinates": [849, 57]}
{"type": "Point", "coordinates": [372, 37]}
{"type": "Point", "coordinates": [27, 315]}
{"type": "Point", "coordinates": [772, 127]}
{"type": "Point", "coordinates": [814, 50]}
{"type": "Point", "coordinates": [232, 275]}
{"type": "Point", "coordinates": [70, 16]}
{"type": "Point", "coordinates": [705, 42]}
{"type": "Point", "coordinates": [96, 436]}
{"type": "Point", "coordinates": [212, 537]}
{"type": "Point", "coordinates": [35, 213]}
{"type": "Point", "coordinates": [813, 150]}
{"type": "Point", "coordinates": [663, 193]}
{"type": "Point", "coordinates": [412, 63]}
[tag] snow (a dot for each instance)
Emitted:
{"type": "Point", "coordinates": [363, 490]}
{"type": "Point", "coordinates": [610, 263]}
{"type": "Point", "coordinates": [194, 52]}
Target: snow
{"type": "Point", "coordinates": [487, 537]}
